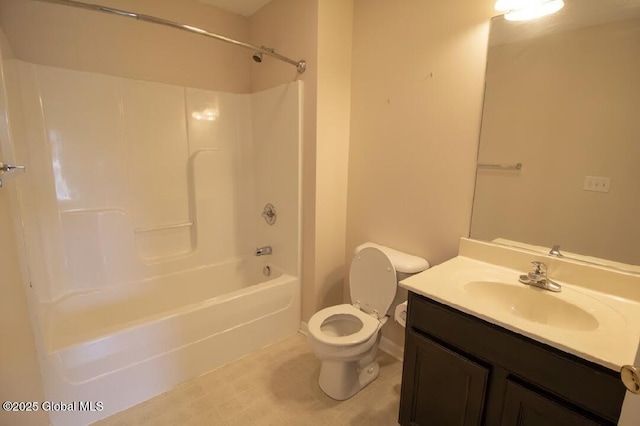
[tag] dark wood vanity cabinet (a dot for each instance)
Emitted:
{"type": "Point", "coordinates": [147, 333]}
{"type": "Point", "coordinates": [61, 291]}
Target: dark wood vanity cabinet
{"type": "Point", "coordinates": [445, 387]}
{"type": "Point", "coordinates": [523, 406]}
{"type": "Point", "coordinates": [461, 370]}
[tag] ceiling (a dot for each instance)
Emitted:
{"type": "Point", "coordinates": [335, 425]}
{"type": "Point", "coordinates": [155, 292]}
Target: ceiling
{"type": "Point", "coordinates": [241, 7]}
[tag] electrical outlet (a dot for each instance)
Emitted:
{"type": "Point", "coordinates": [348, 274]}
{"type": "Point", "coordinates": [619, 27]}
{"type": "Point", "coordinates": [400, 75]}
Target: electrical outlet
{"type": "Point", "coordinates": [597, 183]}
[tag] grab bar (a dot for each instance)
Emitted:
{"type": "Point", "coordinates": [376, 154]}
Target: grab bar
{"type": "Point", "coordinates": [490, 166]}
{"type": "Point", "coordinates": [6, 170]}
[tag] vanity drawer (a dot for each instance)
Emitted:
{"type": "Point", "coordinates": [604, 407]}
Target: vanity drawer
{"type": "Point", "coordinates": [589, 387]}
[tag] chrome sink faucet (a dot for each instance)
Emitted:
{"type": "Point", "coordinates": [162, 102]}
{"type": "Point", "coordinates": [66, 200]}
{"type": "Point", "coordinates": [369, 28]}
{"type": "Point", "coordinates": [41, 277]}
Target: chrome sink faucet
{"type": "Point", "coordinates": [538, 278]}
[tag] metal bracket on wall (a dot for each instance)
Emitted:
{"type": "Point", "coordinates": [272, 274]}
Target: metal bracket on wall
{"type": "Point", "coordinates": [492, 166]}
{"type": "Point", "coordinates": [8, 170]}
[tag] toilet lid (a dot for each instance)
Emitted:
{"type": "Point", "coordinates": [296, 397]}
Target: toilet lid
{"type": "Point", "coordinates": [372, 281]}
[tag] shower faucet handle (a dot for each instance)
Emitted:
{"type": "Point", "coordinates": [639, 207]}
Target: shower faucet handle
{"type": "Point", "coordinates": [269, 214]}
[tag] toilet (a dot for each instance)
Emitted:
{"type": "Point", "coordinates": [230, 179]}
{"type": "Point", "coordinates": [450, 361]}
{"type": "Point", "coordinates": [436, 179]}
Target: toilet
{"type": "Point", "coordinates": [346, 337]}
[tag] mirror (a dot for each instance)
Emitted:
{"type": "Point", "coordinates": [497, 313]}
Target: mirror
{"type": "Point", "coordinates": [562, 100]}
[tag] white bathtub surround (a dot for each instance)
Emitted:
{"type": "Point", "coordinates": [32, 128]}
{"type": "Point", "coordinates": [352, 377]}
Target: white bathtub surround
{"type": "Point", "coordinates": [142, 210]}
{"type": "Point", "coordinates": [599, 308]}
{"type": "Point", "coordinates": [99, 316]}
{"type": "Point", "coordinates": [139, 360]}
{"type": "Point", "coordinates": [125, 163]}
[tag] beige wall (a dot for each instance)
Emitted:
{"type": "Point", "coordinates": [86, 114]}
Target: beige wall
{"type": "Point", "coordinates": [84, 40]}
{"type": "Point", "coordinates": [335, 21]}
{"type": "Point", "coordinates": [566, 106]}
{"type": "Point", "coordinates": [418, 75]}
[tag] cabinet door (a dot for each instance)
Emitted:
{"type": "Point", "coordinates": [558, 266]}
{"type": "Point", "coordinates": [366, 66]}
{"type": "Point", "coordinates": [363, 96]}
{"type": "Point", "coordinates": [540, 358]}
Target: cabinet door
{"type": "Point", "coordinates": [524, 407]}
{"type": "Point", "coordinates": [441, 387]}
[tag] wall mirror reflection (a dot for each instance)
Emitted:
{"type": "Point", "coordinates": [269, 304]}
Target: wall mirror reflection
{"type": "Point", "coordinates": [563, 100]}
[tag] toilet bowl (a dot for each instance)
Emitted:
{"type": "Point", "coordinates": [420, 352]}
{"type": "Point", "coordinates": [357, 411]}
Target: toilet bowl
{"type": "Point", "coordinates": [346, 337]}
{"type": "Point", "coordinates": [342, 332]}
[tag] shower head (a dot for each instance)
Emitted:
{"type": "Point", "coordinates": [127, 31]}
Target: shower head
{"type": "Point", "coordinates": [257, 56]}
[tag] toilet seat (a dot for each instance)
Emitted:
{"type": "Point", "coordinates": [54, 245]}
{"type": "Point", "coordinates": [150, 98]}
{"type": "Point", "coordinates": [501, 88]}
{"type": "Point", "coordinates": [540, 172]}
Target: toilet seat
{"type": "Point", "coordinates": [370, 326]}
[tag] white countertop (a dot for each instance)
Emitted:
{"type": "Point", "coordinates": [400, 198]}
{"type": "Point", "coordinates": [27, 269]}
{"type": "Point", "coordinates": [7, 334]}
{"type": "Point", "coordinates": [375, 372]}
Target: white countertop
{"type": "Point", "coordinates": [613, 343]}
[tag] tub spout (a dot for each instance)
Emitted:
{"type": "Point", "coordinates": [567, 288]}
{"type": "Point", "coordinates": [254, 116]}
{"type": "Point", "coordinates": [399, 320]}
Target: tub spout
{"type": "Point", "coordinates": [261, 251]}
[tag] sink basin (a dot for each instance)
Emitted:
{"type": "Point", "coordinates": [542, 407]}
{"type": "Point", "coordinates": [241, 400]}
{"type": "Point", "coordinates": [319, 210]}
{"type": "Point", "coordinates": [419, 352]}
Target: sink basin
{"type": "Point", "coordinates": [572, 311]}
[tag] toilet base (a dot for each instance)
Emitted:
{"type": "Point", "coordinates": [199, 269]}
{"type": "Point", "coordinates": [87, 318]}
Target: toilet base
{"type": "Point", "coordinates": [342, 380]}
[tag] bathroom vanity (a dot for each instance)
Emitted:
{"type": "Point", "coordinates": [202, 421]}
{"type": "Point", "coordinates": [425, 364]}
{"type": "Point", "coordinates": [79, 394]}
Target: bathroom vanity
{"type": "Point", "coordinates": [460, 370]}
{"type": "Point", "coordinates": [482, 349]}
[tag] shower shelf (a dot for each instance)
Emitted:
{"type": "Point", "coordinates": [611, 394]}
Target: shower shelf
{"type": "Point", "coordinates": [164, 227]}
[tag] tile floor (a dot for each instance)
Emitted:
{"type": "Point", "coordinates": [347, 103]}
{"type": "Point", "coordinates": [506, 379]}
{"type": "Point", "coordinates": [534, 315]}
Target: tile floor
{"type": "Point", "coordinates": [274, 386]}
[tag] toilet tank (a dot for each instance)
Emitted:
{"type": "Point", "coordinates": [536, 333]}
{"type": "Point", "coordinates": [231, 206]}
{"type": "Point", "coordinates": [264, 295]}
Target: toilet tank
{"type": "Point", "coordinates": [405, 265]}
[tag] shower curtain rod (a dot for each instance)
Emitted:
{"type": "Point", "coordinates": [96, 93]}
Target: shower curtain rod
{"type": "Point", "coordinates": [301, 65]}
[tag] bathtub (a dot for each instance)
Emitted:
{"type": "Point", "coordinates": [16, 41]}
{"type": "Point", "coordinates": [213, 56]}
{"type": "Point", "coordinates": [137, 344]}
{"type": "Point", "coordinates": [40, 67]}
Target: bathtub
{"type": "Point", "coordinates": [125, 344]}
